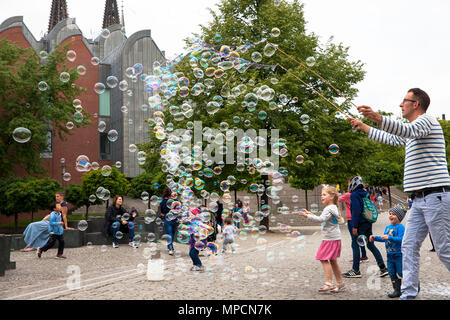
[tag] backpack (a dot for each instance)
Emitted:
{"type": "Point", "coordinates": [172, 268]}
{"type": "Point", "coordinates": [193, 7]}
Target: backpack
{"type": "Point", "coordinates": [370, 211]}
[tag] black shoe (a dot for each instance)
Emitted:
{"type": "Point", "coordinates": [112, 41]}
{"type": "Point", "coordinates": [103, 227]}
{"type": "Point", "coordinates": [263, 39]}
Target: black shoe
{"type": "Point", "coordinates": [39, 252]}
{"type": "Point", "coordinates": [383, 272]}
{"type": "Point", "coordinates": [396, 284]}
{"type": "Point", "coordinates": [352, 274]}
{"type": "Point", "coordinates": [432, 250]}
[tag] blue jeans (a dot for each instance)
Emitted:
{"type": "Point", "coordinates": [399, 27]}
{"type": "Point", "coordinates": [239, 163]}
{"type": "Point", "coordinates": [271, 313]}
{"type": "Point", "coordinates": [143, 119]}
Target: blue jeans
{"type": "Point", "coordinates": [355, 246]}
{"type": "Point", "coordinates": [365, 228]}
{"type": "Point", "coordinates": [193, 253]}
{"type": "Point", "coordinates": [124, 229]}
{"type": "Point", "coordinates": [429, 214]}
{"type": "Point", "coordinates": [394, 265]}
{"type": "Point", "coordinates": [171, 228]}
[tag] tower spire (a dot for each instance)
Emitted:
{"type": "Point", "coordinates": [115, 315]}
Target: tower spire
{"type": "Point", "coordinates": [111, 14]}
{"type": "Point", "coordinates": [123, 16]}
{"type": "Point", "coordinates": [57, 13]}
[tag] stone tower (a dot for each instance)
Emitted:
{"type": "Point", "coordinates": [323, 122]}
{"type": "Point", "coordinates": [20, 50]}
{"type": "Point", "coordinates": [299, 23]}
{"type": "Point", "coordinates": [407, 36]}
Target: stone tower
{"type": "Point", "coordinates": [58, 13]}
{"type": "Point", "coordinates": [111, 14]}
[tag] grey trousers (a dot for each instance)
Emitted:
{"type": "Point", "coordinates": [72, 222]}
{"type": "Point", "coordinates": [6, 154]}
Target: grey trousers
{"type": "Point", "coordinates": [429, 214]}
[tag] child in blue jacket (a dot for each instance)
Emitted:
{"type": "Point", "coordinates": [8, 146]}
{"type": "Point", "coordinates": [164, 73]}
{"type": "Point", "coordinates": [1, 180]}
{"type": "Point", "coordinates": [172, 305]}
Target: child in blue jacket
{"type": "Point", "coordinates": [393, 236]}
{"type": "Point", "coordinates": [56, 231]}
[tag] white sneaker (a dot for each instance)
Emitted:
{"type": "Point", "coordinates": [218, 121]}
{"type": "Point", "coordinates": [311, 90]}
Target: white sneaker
{"type": "Point", "coordinates": [115, 245]}
{"type": "Point", "coordinates": [171, 252]}
{"type": "Point", "coordinates": [133, 244]}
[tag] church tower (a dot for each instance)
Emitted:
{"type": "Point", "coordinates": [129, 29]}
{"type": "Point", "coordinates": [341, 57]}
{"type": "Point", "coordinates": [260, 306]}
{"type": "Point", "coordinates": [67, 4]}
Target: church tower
{"type": "Point", "coordinates": [111, 14]}
{"type": "Point", "coordinates": [58, 13]}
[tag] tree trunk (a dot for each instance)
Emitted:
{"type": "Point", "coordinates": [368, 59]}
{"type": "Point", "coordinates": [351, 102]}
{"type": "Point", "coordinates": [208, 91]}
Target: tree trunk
{"type": "Point", "coordinates": [264, 200]}
{"type": "Point", "coordinates": [306, 200]}
{"type": "Point", "coordinates": [390, 199]}
{"type": "Point", "coordinates": [86, 217]}
{"type": "Point", "coordinates": [16, 221]}
{"type": "Point", "coordinates": [235, 195]}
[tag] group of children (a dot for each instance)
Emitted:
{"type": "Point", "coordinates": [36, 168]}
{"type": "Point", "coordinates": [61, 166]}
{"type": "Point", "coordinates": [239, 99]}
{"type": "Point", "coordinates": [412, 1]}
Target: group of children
{"type": "Point", "coordinates": [330, 248]}
{"type": "Point", "coordinates": [328, 252]}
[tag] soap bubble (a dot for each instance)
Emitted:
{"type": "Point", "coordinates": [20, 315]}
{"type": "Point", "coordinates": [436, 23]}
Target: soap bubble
{"type": "Point", "coordinates": [99, 88]}
{"type": "Point", "coordinates": [67, 176]}
{"type": "Point", "coordinates": [112, 81]}
{"type": "Point", "coordinates": [64, 77]}
{"type": "Point", "coordinates": [362, 240]}
{"type": "Point", "coordinates": [81, 70]}
{"type": "Point", "coordinates": [82, 225]}
{"type": "Point", "coordinates": [106, 171]}
{"type": "Point", "coordinates": [334, 149]}
{"type": "Point", "coordinates": [275, 32]}
{"type": "Point", "coordinates": [70, 125]}
{"type": "Point", "coordinates": [71, 55]}
{"type": "Point", "coordinates": [256, 56]}
{"type": "Point", "coordinates": [95, 61]}
{"type": "Point", "coordinates": [270, 49]}
{"type": "Point", "coordinates": [113, 135]}
{"type": "Point", "coordinates": [314, 208]}
{"type": "Point", "coordinates": [299, 159]}
{"type": "Point", "coordinates": [43, 86]}
{"type": "Point", "coordinates": [21, 135]}
{"type": "Point", "coordinates": [310, 61]}
{"type": "Point", "coordinates": [105, 33]}
{"type": "Point", "coordinates": [304, 119]}
{"type": "Point", "coordinates": [101, 126]}
{"type": "Point", "coordinates": [132, 148]}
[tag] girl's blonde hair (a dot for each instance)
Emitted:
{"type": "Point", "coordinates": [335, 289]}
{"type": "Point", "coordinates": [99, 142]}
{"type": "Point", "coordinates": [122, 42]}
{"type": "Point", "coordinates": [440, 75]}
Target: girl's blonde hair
{"type": "Point", "coordinates": [332, 191]}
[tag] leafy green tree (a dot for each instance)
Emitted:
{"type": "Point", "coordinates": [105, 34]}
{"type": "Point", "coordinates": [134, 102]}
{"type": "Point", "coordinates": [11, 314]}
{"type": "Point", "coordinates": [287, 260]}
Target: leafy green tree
{"type": "Point", "coordinates": [23, 104]}
{"type": "Point", "coordinates": [41, 193]}
{"type": "Point", "coordinates": [116, 183]}
{"type": "Point", "coordinates": [75, 195]}
{"type": "Point", "coordinates": [152, 184]}
{"type": "Point", "coordinates": [242, 25]}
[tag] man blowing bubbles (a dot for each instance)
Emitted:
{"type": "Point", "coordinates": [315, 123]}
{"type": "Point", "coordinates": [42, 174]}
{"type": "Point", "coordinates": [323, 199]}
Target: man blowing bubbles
{"type": "Point", "coordinates": [426, 177]}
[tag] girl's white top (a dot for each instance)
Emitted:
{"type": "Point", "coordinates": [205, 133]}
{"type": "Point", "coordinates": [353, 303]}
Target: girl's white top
{"type": "Point", "coordinates": [330, 225]}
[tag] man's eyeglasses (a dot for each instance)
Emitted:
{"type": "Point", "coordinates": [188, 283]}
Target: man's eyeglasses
{"type": "Point", "coordinates": [406, 100]}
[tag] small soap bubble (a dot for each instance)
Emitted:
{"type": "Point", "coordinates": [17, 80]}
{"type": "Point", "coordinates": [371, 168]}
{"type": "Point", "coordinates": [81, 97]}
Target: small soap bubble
{"type": "Point", "coordinates": [82, 225]}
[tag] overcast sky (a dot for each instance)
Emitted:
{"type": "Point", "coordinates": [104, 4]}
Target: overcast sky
{"type": "Point", "coordinates": [403, 43]}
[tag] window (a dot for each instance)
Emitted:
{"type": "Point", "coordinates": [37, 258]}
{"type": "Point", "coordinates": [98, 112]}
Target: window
{"type": "Point", "coordinates": [105, 147]}
{"type": "Point", "coordinates": [105, 104]}
{"type": "Point", "coordinates": [48, 152]}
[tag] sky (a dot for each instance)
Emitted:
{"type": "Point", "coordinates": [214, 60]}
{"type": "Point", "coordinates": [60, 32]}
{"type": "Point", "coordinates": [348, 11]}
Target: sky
{"type": "Point", "coordinates": [403, 43]}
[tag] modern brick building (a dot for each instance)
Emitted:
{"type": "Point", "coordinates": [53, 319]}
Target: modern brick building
{"type": "Point", "coordinates": [116, 53]}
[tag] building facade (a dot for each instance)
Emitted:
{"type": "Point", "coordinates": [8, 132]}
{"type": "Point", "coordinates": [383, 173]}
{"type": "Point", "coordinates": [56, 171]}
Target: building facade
{"type": "Point", "coordinates": [115, 53]}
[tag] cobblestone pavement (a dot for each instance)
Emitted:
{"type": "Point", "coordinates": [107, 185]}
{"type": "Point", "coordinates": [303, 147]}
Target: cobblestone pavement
{"type": "Point", "coordinates": [271, 266]}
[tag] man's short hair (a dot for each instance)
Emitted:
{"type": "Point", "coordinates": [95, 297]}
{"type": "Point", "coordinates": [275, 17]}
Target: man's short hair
{"type": "Point", "coordinates": [422, 97]}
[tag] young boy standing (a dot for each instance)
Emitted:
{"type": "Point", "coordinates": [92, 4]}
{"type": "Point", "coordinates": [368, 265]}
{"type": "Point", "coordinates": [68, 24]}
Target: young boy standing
{"type": "Point", "coordinates": [393, 236]}
{"type": "Point", "coordinates": [56, 231]}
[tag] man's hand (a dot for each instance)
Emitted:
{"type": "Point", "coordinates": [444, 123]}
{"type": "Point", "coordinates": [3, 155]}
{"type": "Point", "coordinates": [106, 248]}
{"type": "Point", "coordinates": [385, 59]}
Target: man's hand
{"type": "Point", "coordinates": [359, 125]}
{"type": "Point", "coordinates": [355, 231]}
{"type": "Point", "coordinates": [371, 238]}
{"type": "Point", "coordinates": [368, 113]}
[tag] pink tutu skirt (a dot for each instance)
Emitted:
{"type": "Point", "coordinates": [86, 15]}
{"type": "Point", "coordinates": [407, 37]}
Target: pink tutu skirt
{"type": "Point", "coordinates": [329, 250]}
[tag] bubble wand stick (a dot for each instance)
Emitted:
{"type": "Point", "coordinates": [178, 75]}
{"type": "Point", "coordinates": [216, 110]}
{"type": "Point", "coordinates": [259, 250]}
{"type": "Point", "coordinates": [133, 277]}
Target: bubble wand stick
{"type": "Point", "coordinates": [315, 73]}
{"type": "Point", "coordinates": [321, 95]}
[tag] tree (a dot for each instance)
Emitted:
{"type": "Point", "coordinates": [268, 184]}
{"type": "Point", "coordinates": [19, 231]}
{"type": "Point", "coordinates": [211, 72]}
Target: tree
{"type": "Point", "coordinates": [24, 105]}
{"type": "Point", "coordinates": [115, 183]}
{"type": "Point", "coordinates": [247, 90]}
{"type": "Point", "coordinates": [146, 182]}
{"type": "Point", "coordinates": [26, 195]}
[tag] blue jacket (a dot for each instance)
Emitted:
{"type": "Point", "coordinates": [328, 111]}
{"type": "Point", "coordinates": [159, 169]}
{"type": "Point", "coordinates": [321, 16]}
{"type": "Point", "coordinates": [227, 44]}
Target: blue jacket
{"type": "Point", "coordinates": [357, 206]}
{"type": "Point", "coordinates": [394, 242]}
{"type": "Point", "coordinates": [55, 226]}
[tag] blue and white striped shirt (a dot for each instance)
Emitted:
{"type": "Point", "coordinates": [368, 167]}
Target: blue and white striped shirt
{"type": "Point", "coordinates": [425, 158]}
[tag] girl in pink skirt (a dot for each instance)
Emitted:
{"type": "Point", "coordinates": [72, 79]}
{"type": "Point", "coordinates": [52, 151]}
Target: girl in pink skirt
{"type": "Point", "coordinates": [330, 248]}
